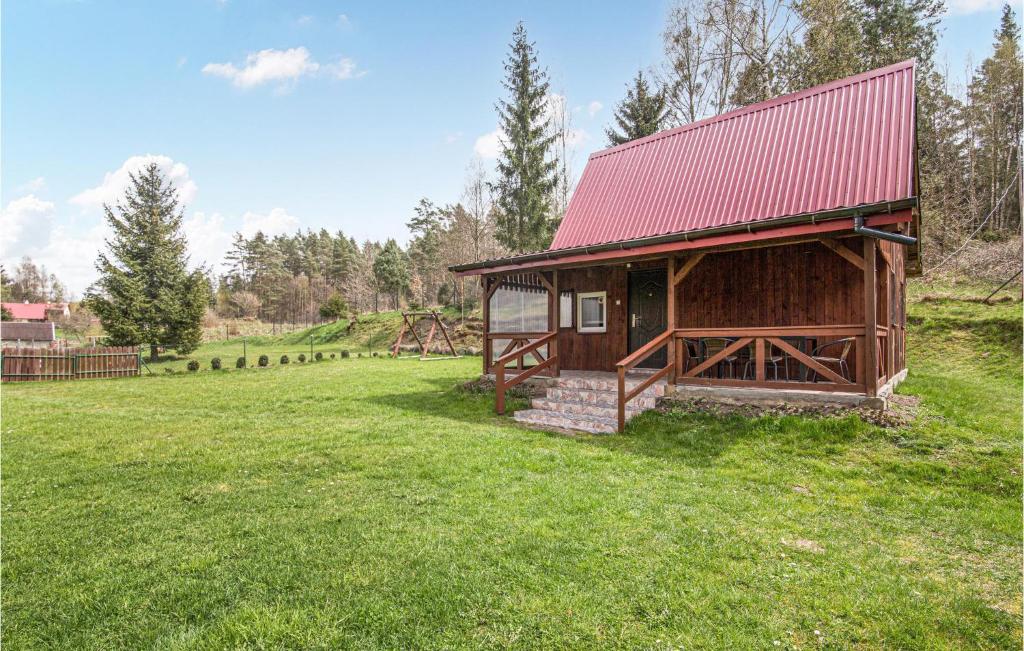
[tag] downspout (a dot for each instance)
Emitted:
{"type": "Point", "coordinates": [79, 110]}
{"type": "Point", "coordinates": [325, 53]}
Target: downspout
{"type": "Point", "coordinates": [861, 229]}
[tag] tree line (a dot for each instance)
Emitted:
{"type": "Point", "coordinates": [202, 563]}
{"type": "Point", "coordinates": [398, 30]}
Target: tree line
{"type": "Point", "coordinates": [718, 55]}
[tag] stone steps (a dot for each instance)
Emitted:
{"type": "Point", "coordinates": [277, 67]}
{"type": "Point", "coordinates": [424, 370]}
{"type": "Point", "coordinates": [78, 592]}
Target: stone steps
{"type": "Point", "coordinates": [561, 420]}
{"type": "Point", "coordinates": [587, 404]}
{"type": "Point", "coordinates": [584, 408]}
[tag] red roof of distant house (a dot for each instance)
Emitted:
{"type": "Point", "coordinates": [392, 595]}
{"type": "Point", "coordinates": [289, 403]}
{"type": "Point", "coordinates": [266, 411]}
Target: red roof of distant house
{"type": "Point", "coordinates": [31, 311]}
{"type": "Point", "coordinates": [844, 144]}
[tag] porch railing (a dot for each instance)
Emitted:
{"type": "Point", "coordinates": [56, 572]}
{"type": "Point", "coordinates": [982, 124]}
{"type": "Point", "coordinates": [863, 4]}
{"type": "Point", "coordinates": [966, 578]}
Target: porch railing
{"type": "Point", "coordinates": [639, 355]}
{"type": "Point", "coordinates": [520, 346]}
{"type": "Point", "coordinates": [744, 355]}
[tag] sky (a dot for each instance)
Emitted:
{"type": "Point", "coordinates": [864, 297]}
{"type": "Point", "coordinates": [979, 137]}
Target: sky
{"type": "Point", "coordinates": [276, 116]}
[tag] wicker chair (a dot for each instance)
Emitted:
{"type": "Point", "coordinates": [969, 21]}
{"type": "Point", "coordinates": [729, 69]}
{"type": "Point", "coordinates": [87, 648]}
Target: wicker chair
{"type": "Point", "coordinates": [844, 347]}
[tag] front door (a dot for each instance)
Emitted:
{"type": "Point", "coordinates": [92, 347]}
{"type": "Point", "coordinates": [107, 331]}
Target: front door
{"type": "Point", "coordinates": [647, 316]}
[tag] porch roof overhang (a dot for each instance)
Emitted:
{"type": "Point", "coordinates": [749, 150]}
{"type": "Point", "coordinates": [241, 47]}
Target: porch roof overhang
{"type": "Point", "coordinates": [809, 224]}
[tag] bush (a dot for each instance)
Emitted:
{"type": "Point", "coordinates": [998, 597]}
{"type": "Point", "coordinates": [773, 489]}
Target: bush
{"type": "Point", "coordinates": [332, 355]}
{"type": "Point", "coordinates": [240, 362]}
{"type": "Point", "coordinates": [345, 354]}
{"type": "Point", "coordinates": [263, 360]}
{"type": "Point", "coordinates": [284, 360]}
{"type": "Point", "coordinates": [319, 356]}
{"type": "Point", "coordinates": [215, 363]}
{"type": "Point", "coordinates": [359, 354]}
{"type": "Point", "coordinates": [302, 357]}
{"type": "Point", "coordinates": [375, 354]}
{"type": "Point", "coordinates": [193, 365]}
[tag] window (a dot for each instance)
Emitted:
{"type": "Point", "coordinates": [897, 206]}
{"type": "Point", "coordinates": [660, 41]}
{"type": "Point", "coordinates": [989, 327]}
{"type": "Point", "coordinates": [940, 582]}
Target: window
{"type": "Point", "coordinates": [565, 301]}
{"type": "Point", "coordinates": [592, 310]}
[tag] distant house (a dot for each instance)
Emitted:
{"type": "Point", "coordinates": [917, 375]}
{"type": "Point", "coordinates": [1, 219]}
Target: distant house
{"type": "Point", "coordinates": [766, 248]}
{"type": "Point", "coordinates": [28, 333]}
{"type": "Point", "coordinates": [38, 311]}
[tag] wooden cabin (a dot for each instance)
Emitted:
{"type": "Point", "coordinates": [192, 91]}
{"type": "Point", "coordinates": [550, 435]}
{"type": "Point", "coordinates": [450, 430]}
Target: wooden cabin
{"type": "Point", "coordinates": [766, 248]}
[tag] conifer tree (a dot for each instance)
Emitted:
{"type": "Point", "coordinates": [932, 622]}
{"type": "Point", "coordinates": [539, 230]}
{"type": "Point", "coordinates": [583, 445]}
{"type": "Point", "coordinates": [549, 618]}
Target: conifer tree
{"type": "Point", "coordinates": [526, 171]}
{"type": "Point", "coordinates": [391, 271]}
{"type": "Point", "coordinates": [640, 114]}
{"type": "Point", "coordinates": [145, 294]}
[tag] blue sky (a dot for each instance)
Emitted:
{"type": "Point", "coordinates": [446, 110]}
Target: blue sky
{"type": "Point", "coordinates": [283, 115]}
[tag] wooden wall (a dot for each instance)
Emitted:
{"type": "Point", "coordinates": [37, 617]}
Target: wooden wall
{"type": "Point", "coordinates": [595, 351]}
{"type": "Point", "coordinates": [791, 285]}
{"type": "Point", "coordinates": [799, 284]}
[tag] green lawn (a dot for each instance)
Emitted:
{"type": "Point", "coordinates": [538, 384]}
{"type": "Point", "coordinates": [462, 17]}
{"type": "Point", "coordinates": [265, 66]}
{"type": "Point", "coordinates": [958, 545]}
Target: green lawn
{"type": "Point", "coordinates": [366, 503]}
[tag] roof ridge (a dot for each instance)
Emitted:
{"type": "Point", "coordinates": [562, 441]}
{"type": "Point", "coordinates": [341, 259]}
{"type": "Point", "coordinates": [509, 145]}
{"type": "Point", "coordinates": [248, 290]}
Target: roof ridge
{"type": "Point", "coordinates": [759, 106]}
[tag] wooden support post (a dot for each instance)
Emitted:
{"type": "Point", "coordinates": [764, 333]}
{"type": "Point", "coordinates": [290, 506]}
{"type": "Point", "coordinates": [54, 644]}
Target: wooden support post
{"type": "Point", "coordinates": [670, 355]}
{"type": "Point", "coordinates": [556, 318]}
{"type": "Point", "coordinates": [870, 319]}
{"type": "Point", "coordinates": [485, 285]}
{"type": "Point", "coordinates": [622, 400]}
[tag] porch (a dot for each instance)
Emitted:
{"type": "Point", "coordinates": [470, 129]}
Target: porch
{"type": "Point", "coordinates": [811, 317]}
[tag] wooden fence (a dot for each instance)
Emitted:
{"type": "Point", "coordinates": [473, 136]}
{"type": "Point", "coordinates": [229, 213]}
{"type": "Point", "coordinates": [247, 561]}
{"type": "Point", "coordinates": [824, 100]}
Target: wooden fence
{"type": "Point", "coordinates": [35, 364]}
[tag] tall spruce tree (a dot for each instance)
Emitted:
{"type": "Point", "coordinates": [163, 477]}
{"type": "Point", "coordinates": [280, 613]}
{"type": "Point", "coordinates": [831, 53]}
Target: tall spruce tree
{"type": "Point", "coordinates": [526, 172]}
{"type": "Point", "coordinates": [640, 114]}
{"type": "Point", "coordinates": [145, 294]}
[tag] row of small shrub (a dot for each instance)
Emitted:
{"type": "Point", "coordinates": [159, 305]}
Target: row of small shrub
{"type": "Point", "coordinates": [215, 363]}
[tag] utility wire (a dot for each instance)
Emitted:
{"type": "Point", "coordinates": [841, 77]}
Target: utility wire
{"type": "Point", "coordinates": [981, 226]}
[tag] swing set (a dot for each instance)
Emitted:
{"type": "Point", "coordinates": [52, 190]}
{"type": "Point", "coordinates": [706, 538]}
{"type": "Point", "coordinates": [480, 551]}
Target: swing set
{"type": "Point", "coordinates": [409, 320]}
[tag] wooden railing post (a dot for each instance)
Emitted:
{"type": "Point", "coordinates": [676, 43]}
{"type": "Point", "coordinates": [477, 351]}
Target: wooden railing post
{"type": "Point", "coordinates": [622, 399]}
{"type": "Point", "coordinates": [499, 388]}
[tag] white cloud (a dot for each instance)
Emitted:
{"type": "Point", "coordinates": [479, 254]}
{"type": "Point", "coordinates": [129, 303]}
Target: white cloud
{"type": "Point", "coordinates": [304, 20]}
{"type": "Point", "coordinates": [343, 68]}
{"type": "Point", "coordinates": [962, 7]}
{"type": "Point", "coordinates": [453, 137]}
{"type": "Point", "coordinates": [112, 189]}
{"type": "Point", "coordinates": [182, 60]}
{"type": "Point", "coordinates": [266, 66]}
{"type": "Point", "coordinates": [275, 222]}
{"type": "Point", "coordinates": [28, 228]}
{"type": "Point", "coordinates": [208, 239]}
{"type": "Point", "coordinates": [25, 223]}
{"type": "Point", "coordinates": [594, 107]}
{"type": "Point", "coordinates": [344, 22]}
{"type": "Point", "coordinates": [488, 146]}
{"type": "Point", "coordinates": [284, 67]}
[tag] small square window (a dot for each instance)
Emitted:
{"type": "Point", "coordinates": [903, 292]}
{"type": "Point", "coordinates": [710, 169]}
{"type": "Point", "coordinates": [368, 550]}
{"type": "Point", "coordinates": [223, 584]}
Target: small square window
{"type": "Point", "coordinates": [565, 305]}
{"type": "Point", "coordinates": [592, 310]}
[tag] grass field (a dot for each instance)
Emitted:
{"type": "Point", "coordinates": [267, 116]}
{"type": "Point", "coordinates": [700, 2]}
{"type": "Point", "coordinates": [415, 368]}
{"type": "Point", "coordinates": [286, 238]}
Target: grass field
{"type": "Point", "coordinates": [367, 503]}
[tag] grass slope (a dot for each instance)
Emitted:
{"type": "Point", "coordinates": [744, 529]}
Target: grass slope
{"type": "Point", "coordinates": [365, 503]}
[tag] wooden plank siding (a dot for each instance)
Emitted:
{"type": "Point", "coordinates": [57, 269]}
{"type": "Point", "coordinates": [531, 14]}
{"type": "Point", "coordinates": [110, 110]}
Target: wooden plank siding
{"type": "Point", "coordinates": [802, 284]}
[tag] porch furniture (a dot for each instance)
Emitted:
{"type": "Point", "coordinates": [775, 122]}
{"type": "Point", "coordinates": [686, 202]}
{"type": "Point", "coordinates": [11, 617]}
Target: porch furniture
{"type": "Point", "coordinates": [714, 345]}
{"type": "Point", "coordinates": [692, 348]}
{"type": "Point", "coordinates": [770, 359]}
{"type": "Point", "coordinates": [844, 346]}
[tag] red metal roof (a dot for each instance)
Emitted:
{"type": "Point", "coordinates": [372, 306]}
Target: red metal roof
{"type": "Point", "coordinates": [840, 145]}
{"type": "Point", "coordinates": [31, 311]}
